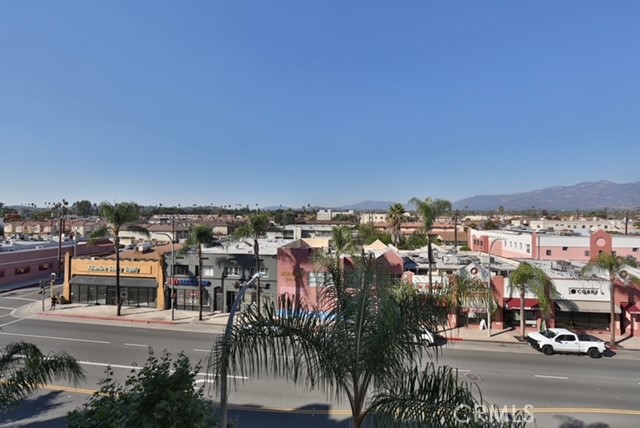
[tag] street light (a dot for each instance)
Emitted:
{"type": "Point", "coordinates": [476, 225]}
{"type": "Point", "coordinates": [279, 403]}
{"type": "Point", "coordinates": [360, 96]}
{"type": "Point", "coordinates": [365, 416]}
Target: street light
{"type": "Point", "coordinates": [225, 348]}
{"type": "Point", "coordinates": [173, 262]}
{"type": "Point", "coordinates": [490, 290]}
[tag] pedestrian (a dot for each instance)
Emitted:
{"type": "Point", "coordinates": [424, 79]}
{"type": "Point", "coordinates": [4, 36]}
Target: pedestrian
{"type": "Point", "coordinates": [54, 300]}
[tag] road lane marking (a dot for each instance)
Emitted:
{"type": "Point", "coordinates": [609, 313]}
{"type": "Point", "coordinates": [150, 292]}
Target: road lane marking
{"type": "Point", "coordinates": [345, 412]}
{"type": "Point", "coordinates": [12, 322]}
{"type": "Point", "coordinates": [551, 377]}
{"type": "Point", "coordinates": [135, 344]}
{"type": "Point", "coordinates": [117, 366]}
{"type": "Point", "coordinates": [54, 337]}
{"type": "Point", "coordinates": [20, 298]}
{"type": "Point", "coordinates": [201, 350]}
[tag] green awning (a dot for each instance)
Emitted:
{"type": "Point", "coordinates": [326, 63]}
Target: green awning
{"type": "Point", "coordinates": [585, 306]}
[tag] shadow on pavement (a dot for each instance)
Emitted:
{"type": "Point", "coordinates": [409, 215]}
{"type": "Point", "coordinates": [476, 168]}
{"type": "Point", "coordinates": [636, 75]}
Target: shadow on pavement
{"type": "Point", "coordinates": [27, 410]}
{"type": "Point", "coordinates": [314, 415]}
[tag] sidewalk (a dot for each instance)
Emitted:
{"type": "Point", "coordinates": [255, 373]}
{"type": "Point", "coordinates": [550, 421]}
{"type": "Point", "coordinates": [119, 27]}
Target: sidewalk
{"type": "Point", "coordinates": [140, 317]}
{"type": "Point", "coordinates": [216, 322]}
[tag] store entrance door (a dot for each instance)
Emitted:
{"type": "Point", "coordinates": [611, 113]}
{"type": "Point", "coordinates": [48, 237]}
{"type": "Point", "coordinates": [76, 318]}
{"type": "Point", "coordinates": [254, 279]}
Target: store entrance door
{"type": "Point", "coordinates": [111, 296]}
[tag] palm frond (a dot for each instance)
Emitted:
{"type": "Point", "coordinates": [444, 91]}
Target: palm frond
{"type": "Point", "coordinates": [24, 369]}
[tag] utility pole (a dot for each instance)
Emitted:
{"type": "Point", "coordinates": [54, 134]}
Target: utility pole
{"type": "Point", "coordinates": [226, 344]}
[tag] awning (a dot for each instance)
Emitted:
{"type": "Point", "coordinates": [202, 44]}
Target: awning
{"type": "Point", "coordinates": [111, 281]}
{"type": "Point", "coordinates": [585, 306]}
{"type": "Point", "coordinates": [514, 303]}
{"type": "Point", "coordinates": [633, 310]}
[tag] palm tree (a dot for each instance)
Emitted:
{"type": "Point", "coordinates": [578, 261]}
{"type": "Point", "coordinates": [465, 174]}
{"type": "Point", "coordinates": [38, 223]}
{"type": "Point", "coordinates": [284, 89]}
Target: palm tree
{"type": "Point", "coordinates": [255, 228]}
{"type": "Point", "coordinates": [469, 292]}
{"type": "Point", "coordinates": [614, 266]}
{"type": "Point", "coordinates": [199, 236]}
{"type": "Point", "coordinates": [368, 347]}
{"type": "Point", "coordinates": [528, 277]}
{"type": "Point", "coordinates": [429, 210]}
{"type": "Point", "coordinates": [24, 369]}
{"type": "Point", "coordinates": [120, 216]}
{"type": "Point", "coordinates": [395, 217]}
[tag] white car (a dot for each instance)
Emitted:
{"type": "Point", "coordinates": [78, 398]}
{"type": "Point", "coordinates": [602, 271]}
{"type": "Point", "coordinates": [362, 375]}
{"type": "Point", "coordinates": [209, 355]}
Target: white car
{"type": "Point", "coordinates": [427, 338]}
{"type": "Point", "coordinates": [561, 340]}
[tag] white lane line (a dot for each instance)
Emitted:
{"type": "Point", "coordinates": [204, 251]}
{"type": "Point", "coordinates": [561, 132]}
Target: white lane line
{"type": "Point", "coordinates": [54, 338]}
{"type": "Point", "coordinates": [135, 344]}
{"type": "Point", "coordinates": [14, 321]}
{"type": "Point", "coordinates": [463, 371]}
{"type": "Point", "coordinates": [551, 377]}
{"type": "Point", "coordinates": [201, 350]}
{"type": "Point", "coordinates": [7, 307]}
{"type": "Point", "coordinates": [118, 366]}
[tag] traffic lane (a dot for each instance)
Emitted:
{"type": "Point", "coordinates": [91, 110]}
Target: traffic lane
{"type": "Point", "coordinates": [93, 341]}
{"type": "Point", "coordinates": [534, 362]}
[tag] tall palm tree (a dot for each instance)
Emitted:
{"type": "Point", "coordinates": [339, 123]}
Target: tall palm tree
{"type": "Point", "coordinates": [469, 292]}
{"type": "Point", "coordinates": [395, 217]}
{"type": "Point", "coordinates": [199, 236]}
{"type": "Point", "coordinates": [368, 348]}
{"type": "Point", "coordinates": [256, 227]}
{"type": "Point", "coordinates": [429, 210]}
{"type": "Point", "coordinates": [120, 216]}
{"type": "Point", "coordinates": [614, 267]}
{"type": "Point", "coordinates": [24, 369]}
{"type": "Point", "coordinates": [528, 277]}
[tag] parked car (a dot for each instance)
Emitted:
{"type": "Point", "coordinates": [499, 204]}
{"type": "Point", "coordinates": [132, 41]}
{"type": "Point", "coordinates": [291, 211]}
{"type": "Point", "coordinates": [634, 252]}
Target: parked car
{"type": "Point", "coordinates": [561, 340]}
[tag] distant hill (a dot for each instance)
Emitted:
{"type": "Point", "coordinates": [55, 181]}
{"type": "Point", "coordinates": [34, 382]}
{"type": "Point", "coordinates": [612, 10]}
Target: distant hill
{"type": "Point", "coordinates": [589, 196]}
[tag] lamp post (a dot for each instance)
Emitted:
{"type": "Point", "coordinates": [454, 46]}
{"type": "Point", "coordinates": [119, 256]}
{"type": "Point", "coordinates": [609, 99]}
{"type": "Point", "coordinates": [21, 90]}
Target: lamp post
{"type": "Point", "coordinates": [489, 289]}
{"type": "Point", "coordinates": [173, 262]}
{"type": "Point", "coordinates": [225, 348]}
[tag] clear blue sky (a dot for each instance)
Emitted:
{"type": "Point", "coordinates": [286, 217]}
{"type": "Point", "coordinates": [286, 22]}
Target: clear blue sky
{"type": "Point", "coordinates": [314, 102]}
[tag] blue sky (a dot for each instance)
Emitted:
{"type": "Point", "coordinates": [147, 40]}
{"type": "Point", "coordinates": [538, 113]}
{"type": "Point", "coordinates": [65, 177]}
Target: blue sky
{"type": "Point", "coordinates": [314, 102]}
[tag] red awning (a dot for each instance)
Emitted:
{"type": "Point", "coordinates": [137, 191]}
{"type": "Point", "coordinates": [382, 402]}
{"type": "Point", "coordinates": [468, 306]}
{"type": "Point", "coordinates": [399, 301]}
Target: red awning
{"type": "Point", "coordinates": [514, 303]}
{"type": "Point", "coordinates": [633, 310]}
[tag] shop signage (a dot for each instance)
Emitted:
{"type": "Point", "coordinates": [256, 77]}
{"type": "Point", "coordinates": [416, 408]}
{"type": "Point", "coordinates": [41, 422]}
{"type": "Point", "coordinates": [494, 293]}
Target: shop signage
{"type": "Point", "coordinates": [188, 282]}
{"type": "Point", "coordinates": [93, 268]}
{"type": "Point", "coordinates": [585, 291]}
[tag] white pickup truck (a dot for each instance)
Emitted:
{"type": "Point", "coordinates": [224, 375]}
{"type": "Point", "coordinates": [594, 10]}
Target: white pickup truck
{"type": "Point", "coordinates": [561, 340]}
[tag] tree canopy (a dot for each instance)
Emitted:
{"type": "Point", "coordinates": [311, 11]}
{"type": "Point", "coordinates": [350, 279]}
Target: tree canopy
{"type": "Point", "coordinates": [163, 393]}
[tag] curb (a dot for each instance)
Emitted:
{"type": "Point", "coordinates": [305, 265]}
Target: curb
{"type": "Point", "coordinates": [91, 317]}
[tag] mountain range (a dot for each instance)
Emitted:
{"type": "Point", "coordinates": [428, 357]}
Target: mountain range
{"type": "Point", "coordinates": [588, 196]}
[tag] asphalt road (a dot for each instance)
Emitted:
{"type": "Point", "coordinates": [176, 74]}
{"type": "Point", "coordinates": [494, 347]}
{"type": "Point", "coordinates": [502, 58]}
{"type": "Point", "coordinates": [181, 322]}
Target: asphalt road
{"type": "Point", "coordinates": [591, 390]}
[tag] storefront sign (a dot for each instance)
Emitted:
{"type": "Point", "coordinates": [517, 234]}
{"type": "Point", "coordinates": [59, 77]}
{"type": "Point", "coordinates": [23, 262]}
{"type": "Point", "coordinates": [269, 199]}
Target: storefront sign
{"type": "Point", "coordinates": [132, 269]}
{"type": "Point", "coordinates": [188, 282]}
{"type": "Point", "coordinates": [586, 291]}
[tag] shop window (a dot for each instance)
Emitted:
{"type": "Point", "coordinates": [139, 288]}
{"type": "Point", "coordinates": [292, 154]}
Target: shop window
{"type": "Point", "coordinates": [22, 270]}
{"type": "Point", "coordinates": [263, 270]}
{"type": "Point", "coordinates": [582, 320]}
{"type": "Point", "coordinates": [319, 279]}
{"type": "Point", "coordinates": [181, 270]}
{"type": "Point", "coordinates": [233, 271]}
